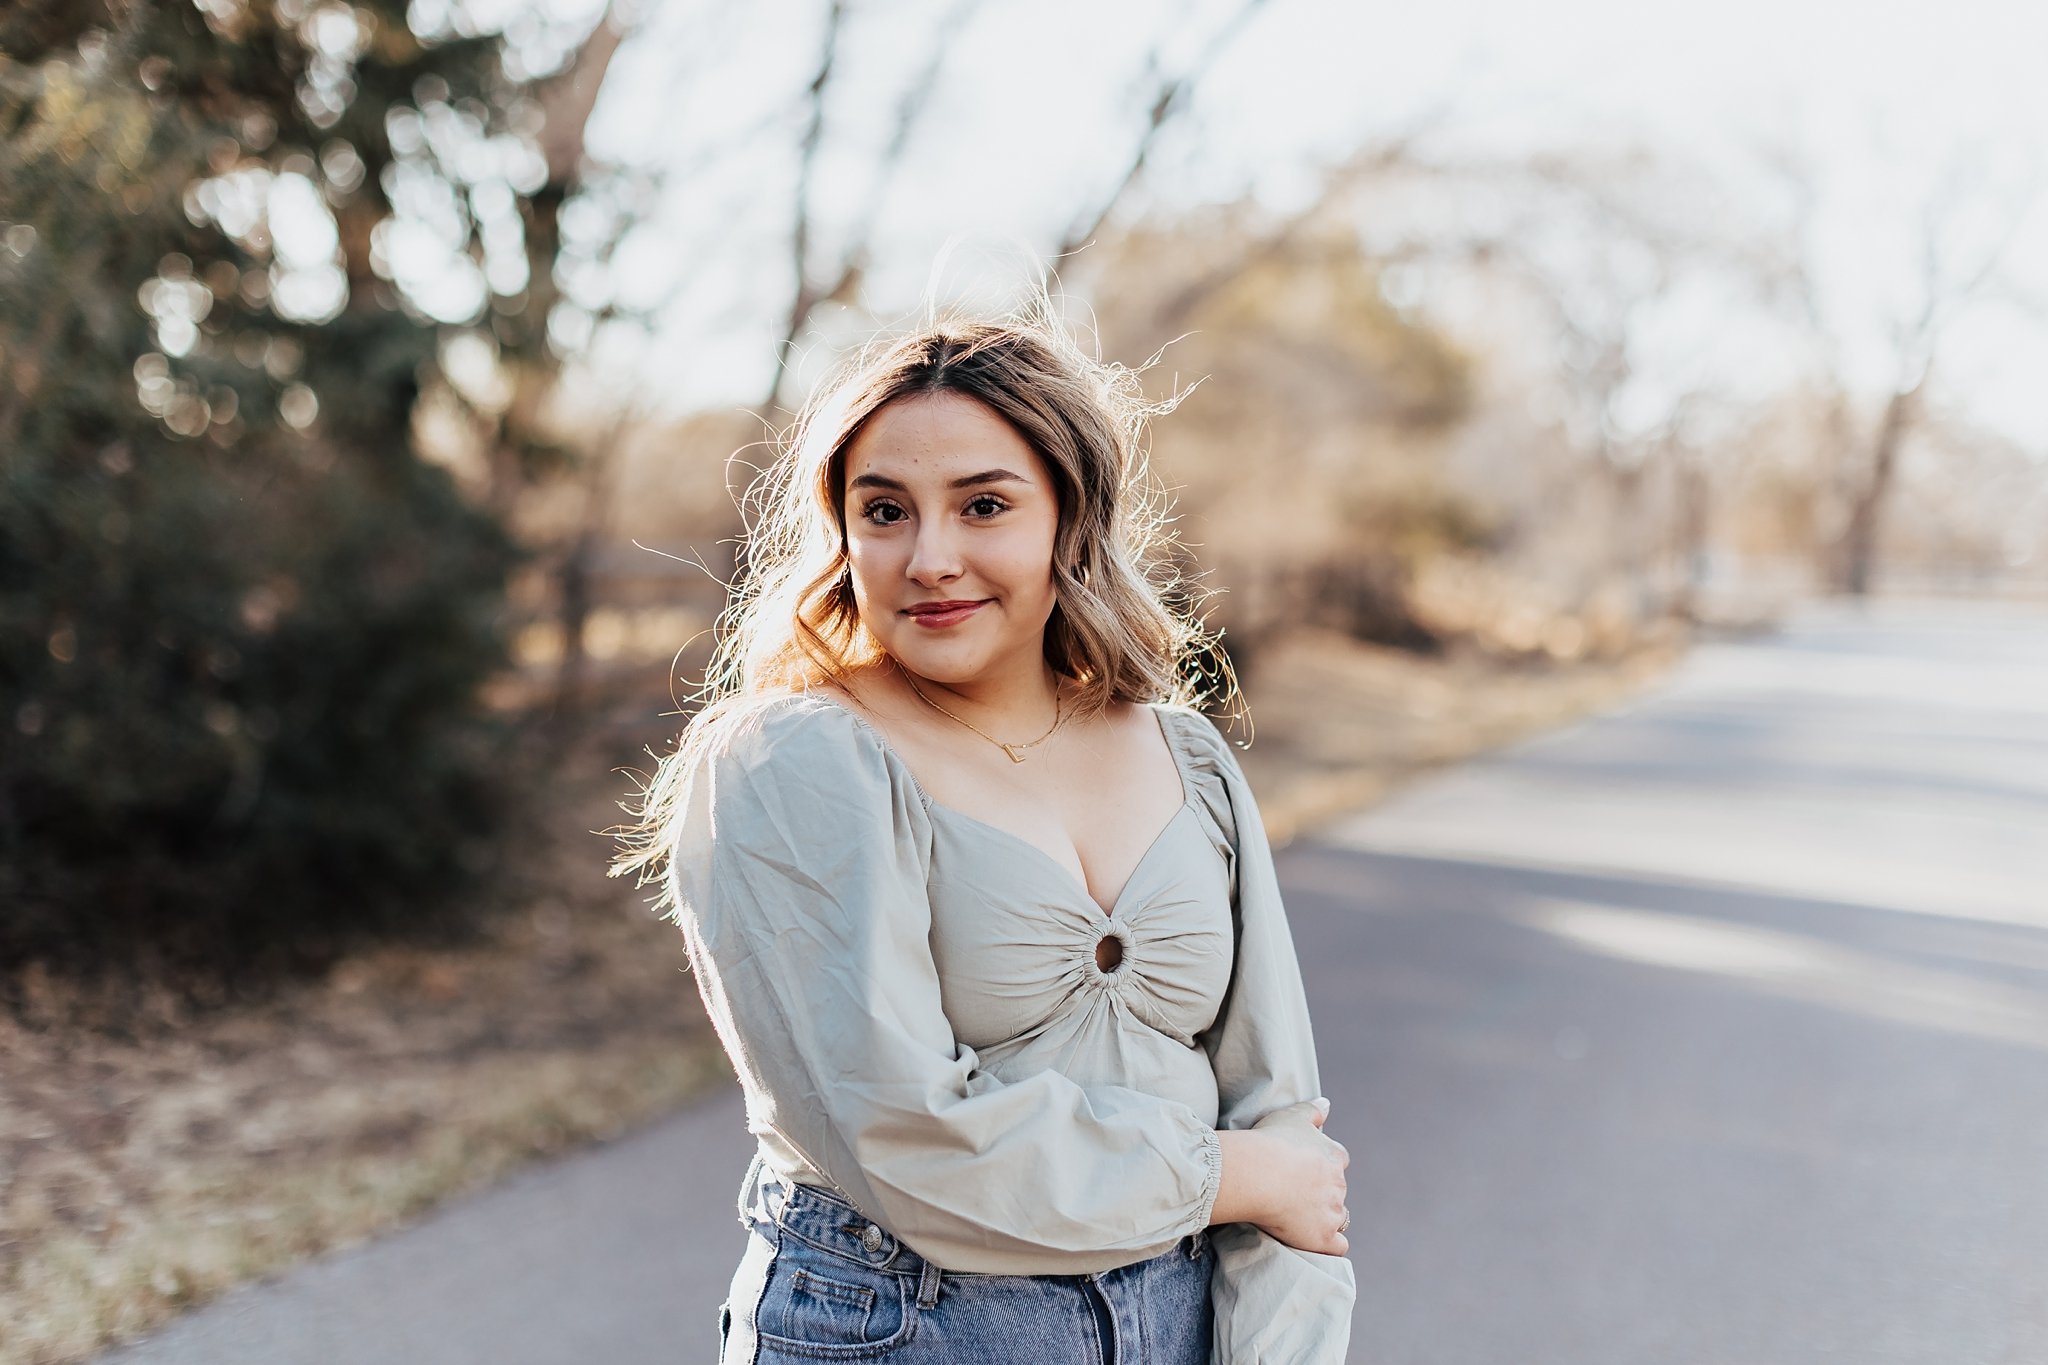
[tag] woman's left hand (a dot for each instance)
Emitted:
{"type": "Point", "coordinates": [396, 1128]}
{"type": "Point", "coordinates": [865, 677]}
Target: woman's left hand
{"type": "Point", "coordinates": [1287, 1177]}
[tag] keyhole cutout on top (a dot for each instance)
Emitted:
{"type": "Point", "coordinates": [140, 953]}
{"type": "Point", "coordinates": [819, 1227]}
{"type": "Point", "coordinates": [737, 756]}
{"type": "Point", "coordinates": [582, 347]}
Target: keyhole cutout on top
{"type": "Point", "coordinates": [1109, 953]}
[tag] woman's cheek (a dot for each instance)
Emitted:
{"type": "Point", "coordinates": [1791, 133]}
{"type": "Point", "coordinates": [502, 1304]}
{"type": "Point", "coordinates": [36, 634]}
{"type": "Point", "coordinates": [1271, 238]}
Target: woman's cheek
{"type": "Point", "coordinates": [1027, 561]}
{"type": "Point", "coordinates": [868, 565]}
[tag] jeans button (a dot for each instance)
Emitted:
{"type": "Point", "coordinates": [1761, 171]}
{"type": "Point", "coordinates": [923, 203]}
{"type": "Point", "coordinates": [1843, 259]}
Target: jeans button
{"type": "Point", "coordinates": [871, 1238]}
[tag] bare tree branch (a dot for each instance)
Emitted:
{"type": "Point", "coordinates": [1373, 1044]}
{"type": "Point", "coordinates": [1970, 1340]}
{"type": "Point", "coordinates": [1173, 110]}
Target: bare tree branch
{"type": "Point", "coordinates": [909, 113]}
{"type": "Point", "coordinates": [807, 296]}
{"type": "Point", "coordinates": [845, 282]}
{"type": "Point", "coordinates": [567, 100]}
{"type": "Point", "coordinates": [1395, 152]}
{"type": "Point", "coordinates": [1166, 101]}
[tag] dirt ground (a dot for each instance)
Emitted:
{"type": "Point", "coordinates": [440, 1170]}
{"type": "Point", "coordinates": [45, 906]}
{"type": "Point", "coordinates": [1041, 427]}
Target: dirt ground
{"type": "Point", "coordinates": [139, 1178]}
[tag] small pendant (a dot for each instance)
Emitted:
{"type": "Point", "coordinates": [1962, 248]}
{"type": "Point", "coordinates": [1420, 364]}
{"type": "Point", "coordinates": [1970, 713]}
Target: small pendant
{"type": "Point", "coordinates": [1011, 750]}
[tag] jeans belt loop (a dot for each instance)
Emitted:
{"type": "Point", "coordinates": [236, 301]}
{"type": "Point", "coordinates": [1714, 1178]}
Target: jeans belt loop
{"type": "Point", "coordinates": [928, 1287]}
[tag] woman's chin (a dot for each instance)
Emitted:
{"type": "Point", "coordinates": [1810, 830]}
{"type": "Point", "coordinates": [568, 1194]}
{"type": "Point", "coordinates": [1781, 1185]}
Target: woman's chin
{"type": "Point", "coordinates": [948, 668]}
{"type": "Point", "coordinates": [951, 662]}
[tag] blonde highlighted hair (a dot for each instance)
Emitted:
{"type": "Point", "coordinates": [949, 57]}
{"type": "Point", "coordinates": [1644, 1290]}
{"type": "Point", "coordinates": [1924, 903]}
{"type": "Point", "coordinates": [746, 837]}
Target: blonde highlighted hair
{"type": "Point", "coordinates": [1125, 624]}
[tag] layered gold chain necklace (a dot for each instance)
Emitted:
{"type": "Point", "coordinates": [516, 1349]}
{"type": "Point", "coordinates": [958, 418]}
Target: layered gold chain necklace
{"type": "Point", "coordinates": [1015, 751]}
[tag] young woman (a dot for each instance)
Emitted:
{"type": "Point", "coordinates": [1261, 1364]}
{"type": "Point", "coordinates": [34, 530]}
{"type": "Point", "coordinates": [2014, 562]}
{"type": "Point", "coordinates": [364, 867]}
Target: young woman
{"type": "Point", "coordinates": [981, 907]}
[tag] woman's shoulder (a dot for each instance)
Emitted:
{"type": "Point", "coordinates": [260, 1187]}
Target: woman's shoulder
{"type": "Point", "coordinates": [1219, 780]}
{"type": "Point", "coordinates": [806, 735]}
{"type": "Point", "coordinates": [778, 726]}
{"type": "Point", "coordinates": [1198, 738]}
{"type": "Point", "coordinates": [788, 785]}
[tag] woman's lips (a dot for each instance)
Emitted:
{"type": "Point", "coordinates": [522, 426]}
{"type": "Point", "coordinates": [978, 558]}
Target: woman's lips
{"type": "Point", "coordinates": [948, 617]}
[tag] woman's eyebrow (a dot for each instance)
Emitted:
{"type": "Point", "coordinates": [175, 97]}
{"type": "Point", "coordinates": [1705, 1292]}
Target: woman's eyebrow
{"type": "Point", "coordinates": [987, 476]}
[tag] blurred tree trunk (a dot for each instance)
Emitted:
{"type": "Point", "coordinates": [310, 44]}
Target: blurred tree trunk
{"type": "Point", "coordinates": [1857, 550]}
{"type": "Point", "coordinates": [1959, 266]}
{"type": "Point", "coordinates": [575, 585]}
{"type": "Point", "coordinates": [1691, 529]}
{"type": "Point", "coordinates": [566, 105]}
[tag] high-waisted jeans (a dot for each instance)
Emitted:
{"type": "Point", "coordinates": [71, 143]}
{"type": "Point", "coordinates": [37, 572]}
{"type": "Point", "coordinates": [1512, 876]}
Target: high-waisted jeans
{"type": "Point", "coordinates": [820, 1282]}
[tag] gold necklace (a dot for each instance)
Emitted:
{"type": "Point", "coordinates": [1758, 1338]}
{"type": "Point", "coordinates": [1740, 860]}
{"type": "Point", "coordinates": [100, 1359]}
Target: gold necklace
{"type": "Point", "coordinates": [1015, 751]}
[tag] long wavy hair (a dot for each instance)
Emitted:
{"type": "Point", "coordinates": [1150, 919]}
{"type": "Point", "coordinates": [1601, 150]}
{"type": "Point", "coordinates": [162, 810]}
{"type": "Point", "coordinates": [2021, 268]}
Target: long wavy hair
{"type": "Point", "coordinates": [1125, 623]}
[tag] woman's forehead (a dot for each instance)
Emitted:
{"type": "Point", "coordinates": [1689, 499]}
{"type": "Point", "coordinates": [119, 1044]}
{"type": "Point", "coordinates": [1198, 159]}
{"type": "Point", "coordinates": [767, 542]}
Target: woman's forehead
{"type": "Point", "coordinates": [939, 441]}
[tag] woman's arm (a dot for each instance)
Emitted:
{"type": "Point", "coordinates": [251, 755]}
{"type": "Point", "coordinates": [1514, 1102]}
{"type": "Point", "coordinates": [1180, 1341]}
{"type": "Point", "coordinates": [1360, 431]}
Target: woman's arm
{"type": "Point", "coordinates": [1273, 1300]}
{"type": "Point", "coordinates": [1286, 1177]}
{"type": "Point", "coordinates": [799, 875]}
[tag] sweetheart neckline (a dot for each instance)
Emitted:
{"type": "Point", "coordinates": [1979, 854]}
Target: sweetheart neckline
{"type": "Point", "coordinates": [1117, 904]}
{"type": "Point", "coordinates": [1187, 801]}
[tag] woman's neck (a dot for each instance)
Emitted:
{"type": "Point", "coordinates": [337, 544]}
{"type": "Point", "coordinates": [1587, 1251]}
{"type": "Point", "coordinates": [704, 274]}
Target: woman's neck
{"type": "Point", "coordinates": [1005, 702]}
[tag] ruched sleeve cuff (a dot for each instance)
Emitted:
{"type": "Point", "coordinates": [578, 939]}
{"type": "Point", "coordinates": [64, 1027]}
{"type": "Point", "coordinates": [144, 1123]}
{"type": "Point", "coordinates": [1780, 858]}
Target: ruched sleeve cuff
{"type": "Point", "coordinates": [1212, 1155]}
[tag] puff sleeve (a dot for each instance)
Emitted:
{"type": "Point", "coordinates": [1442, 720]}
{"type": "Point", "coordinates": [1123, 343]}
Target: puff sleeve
{"type": "Point", "coordinates": [1273, 1304]}
{"type": "Point", "coordinates": [799, 878]}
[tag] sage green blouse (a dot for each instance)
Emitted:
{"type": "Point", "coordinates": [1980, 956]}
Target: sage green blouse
{"type": "Point", "coordinates": [912, 1001]}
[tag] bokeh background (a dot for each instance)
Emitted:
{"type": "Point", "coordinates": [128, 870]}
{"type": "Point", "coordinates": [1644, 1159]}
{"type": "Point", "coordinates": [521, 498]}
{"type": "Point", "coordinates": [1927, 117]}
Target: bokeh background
{"type": "Point", "coordinates": [377, 381]}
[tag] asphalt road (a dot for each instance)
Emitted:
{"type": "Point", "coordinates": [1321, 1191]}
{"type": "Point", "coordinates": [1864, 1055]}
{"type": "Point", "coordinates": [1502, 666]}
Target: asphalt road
{"type": "Point", "coordinates": [1713, 1029]}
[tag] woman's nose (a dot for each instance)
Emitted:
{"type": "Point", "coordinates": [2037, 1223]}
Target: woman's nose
{"type": "Point", "coordinates": [936, 555]}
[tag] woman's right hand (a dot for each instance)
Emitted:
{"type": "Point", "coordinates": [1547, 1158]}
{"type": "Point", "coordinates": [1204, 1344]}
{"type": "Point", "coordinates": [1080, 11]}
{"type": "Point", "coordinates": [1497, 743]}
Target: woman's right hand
{"type": "Point", "coordinates": [1287, 1176]}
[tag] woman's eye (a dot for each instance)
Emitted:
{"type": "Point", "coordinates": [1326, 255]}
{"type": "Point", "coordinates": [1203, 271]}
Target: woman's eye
{"type": "Point", "coordinates": [990, 503]}
{"type": "Point", "coordinates": [873, 512]}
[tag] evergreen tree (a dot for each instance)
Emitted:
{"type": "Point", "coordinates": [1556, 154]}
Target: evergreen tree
{"type": "Point", "coordinates": [243, 623]}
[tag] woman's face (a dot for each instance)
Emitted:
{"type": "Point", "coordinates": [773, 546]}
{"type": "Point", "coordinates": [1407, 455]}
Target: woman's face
{"type": "Point", "coordinates": [950, 521]}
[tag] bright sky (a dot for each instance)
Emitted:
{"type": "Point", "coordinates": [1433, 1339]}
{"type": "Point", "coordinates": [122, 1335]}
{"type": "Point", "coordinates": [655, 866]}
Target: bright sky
{"type": "Point", "coordinates": [1039, 105]}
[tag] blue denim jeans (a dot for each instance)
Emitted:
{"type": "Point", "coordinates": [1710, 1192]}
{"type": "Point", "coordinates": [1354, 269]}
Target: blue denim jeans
{"type": "Point", "coordinates": [820, 1282]}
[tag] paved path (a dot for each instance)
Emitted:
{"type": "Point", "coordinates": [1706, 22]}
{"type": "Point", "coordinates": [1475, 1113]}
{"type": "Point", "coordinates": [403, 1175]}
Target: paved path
{"type": "Point", "coordinates": [1714, 1029]}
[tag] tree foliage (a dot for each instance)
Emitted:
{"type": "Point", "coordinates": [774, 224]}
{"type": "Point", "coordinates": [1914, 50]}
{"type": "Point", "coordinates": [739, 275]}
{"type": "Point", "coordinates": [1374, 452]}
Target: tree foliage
{"type": "Point", "coordinates": [243, 624]}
